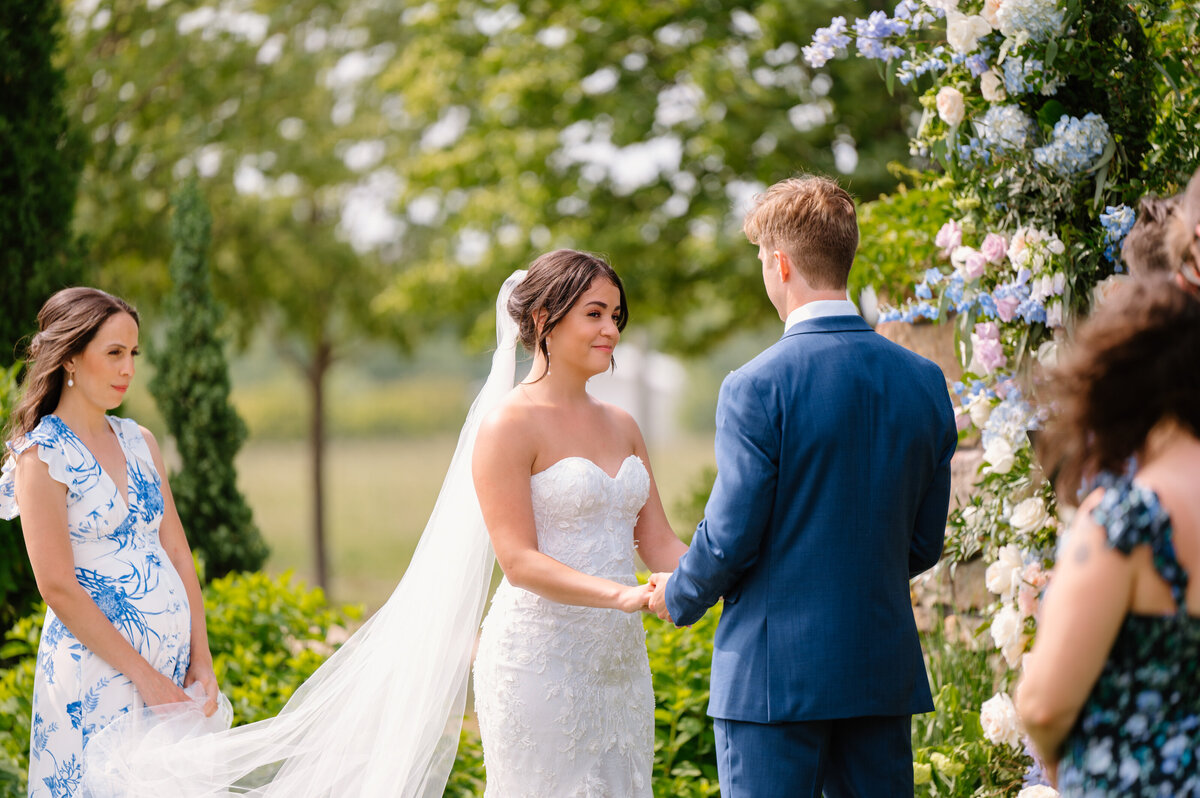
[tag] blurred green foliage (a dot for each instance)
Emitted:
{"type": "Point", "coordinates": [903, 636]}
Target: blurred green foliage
{"type": "Point", "coordinates": [895, 243]}
{"type": "Point", "coordinates": [191, 386]}
{"type": "Point", "coordinates": [40, 158]}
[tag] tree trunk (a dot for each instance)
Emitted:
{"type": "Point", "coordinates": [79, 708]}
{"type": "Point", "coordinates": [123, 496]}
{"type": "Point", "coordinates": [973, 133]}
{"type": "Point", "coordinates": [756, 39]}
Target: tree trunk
{"type": "Point", "coordinates": [322, 359]}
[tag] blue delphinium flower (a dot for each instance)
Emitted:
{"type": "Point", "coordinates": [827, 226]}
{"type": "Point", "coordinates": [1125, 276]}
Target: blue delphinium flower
{"type": "Point", "coordinates": [873, 33]}
{"type": "Point", "coordinates": [827, 43]}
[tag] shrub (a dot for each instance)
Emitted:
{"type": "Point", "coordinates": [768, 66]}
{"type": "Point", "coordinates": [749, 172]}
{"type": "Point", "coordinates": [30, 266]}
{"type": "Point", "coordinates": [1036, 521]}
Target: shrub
{"type": "Point", "coordinates": [191, 386]}
{"type": "Point", "coordinates": [267, 635]}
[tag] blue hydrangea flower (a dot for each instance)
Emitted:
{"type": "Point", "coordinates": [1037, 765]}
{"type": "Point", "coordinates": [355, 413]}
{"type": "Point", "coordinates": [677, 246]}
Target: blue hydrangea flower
{"type": "Point", "coordinates": [1075, 144]}
{"type": "Point", "coordinates": [1005, 129]}
{"type": "Point", "coordinates": [1117, 221]}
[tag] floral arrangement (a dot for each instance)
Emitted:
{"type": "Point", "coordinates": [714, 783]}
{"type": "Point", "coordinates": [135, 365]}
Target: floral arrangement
{"type": "Point", "coordinates": [1040, 113]}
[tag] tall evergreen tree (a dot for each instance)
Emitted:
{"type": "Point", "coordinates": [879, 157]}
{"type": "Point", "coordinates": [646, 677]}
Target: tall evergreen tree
{"type": "Point", "coordinates": [191, 387]}
{"type": "Point", "coordinates": [40, 160]}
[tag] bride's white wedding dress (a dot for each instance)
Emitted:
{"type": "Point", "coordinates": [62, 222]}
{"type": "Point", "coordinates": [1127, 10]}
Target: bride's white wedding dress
{"type": "Point", "coordinates": [563, 693]}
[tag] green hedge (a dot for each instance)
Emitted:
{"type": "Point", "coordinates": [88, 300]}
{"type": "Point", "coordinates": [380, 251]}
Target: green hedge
{"type": "Point", "coordinates": [269, 634]}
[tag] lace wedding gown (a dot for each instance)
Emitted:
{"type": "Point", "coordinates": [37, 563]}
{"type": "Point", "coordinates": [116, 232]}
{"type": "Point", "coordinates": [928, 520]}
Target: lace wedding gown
{"type": "Point", "coordinates": [563, 692]}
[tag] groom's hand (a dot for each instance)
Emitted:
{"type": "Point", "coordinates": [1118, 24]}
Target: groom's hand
{"type": "Point", "coordinates": [658, 599]}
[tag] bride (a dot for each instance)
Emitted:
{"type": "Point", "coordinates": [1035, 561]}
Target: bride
{"type": "Point", "coordinates": [562, 680]}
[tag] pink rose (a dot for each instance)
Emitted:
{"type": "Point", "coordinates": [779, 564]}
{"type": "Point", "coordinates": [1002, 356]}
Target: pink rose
{"type": "Point", "coordinates": [1006, 307]}
{"type": "Point", "coordinates": [1035, 575]}
{"type": "Point", "coordinates": [988, 352]}
{"type": "Point", "coordinates": [975, 265]}
{"type": "Point", "coordinates": [1027, 601]}
{"type": "Point", "coordinates": [987, 330]}
{"type": "Point", "coordinates": [962, 419]}
{"type": "Point", "coordinates": [949, 238]}
{"type": "Point", "coordinates": [994, 248]}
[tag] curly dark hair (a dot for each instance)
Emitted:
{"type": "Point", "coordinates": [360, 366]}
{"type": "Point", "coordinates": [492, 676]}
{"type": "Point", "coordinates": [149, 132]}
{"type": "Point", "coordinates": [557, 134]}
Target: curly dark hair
{"type": "Point", "coordinates": [554, 283]}
{"type": "Point", "coordinates": [1134, 363]}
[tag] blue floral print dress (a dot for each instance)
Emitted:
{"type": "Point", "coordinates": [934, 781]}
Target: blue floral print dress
{"type": "Point", "coordinates": [1138, 734]}
{"type": "Point", "coordinates": [120, 561]}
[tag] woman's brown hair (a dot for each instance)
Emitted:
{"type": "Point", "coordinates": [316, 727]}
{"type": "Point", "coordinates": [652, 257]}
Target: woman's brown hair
{"type": "Point", "coordinates": [1133, 364]}
{"type": "Point", "coordinates": [67, 323]}
{"type": "Point", "coordinates": [554, 283]}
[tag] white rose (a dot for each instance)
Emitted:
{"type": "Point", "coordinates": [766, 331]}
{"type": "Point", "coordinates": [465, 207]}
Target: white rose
{"type": "Point", "coordinates": [1047, 354]}
{"type": "Point", "coordinates": [1038, 791]}
{"type": "Point", "coordinates": [999, 456]}
{"type": "Point", "coordinates": [950, 105]}
{"type": "Point", "coordinates": [999, 719]}
{"type": "Point", "coordinates": [980, 409]}
{"type": "Point", "coordinates": [1008, 633]}
{"type": "Point", "coordinates": [991, 86]}
{"type": "Point", "coordinates": [990, 7]}
{"type": "Point", "coordinates": [1029, 516]}
{"type": "Point", "coordinates": [944, 5]}
{"type": "Point", "coordinates": [1057, 247]}
{"type": "Point", "coordinates": [963, 32]}
{"type": "Point", "coordinates": [1003, 577]}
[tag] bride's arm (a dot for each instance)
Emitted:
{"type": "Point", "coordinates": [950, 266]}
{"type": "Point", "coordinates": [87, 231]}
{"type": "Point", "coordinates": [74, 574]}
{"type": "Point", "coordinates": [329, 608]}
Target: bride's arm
{"type": "Point", "coordinates": [501, 467]}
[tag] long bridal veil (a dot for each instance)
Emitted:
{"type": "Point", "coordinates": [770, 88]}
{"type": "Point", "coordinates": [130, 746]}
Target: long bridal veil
{"type": "Point", "coordinates": [382, 716]}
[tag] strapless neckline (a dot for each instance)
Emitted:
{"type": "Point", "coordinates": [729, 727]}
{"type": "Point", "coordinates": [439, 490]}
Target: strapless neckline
{"type": "Point", "coordinates": [592, 463]}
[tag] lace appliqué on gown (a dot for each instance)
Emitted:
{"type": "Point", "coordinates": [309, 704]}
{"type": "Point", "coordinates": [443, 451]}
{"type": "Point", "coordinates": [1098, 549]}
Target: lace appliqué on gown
{"type": "Point", "coordinates": [563, 693]}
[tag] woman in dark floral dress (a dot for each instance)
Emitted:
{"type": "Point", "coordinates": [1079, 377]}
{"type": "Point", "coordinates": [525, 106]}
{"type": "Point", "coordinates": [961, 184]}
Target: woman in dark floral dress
{"type": "Point", "coordinates": [1111, 690]}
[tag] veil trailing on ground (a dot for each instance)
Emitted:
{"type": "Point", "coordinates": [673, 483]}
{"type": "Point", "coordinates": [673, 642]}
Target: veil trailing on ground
{"type": "Point", "coordinates": [382, 716]}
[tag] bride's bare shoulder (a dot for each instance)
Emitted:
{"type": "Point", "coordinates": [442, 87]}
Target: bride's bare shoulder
{"type": "Point", "coordinates": [513, 418]}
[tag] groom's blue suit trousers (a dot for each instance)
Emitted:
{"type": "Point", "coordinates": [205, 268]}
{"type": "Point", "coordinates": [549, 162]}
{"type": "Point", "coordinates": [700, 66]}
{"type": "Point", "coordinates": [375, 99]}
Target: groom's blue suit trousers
{"type": "Point", "coordinates": [846, 758]}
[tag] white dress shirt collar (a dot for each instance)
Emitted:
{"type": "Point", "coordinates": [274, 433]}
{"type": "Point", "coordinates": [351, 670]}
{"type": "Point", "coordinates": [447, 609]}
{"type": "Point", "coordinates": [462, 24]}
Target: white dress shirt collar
{"type": "Point", "coordinates": [818, 308]}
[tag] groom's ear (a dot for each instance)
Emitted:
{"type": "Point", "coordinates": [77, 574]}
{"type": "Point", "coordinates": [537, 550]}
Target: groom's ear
{"type": "Point", "coordinates": [784, 263]}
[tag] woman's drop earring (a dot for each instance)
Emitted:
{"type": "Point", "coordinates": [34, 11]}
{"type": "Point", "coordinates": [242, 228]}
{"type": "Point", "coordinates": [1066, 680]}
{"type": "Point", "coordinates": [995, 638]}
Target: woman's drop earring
{"type": "Point", "coordinates": [70, 380]}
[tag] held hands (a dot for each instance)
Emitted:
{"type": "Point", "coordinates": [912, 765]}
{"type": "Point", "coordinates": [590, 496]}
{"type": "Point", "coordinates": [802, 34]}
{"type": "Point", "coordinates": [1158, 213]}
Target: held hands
{"type": "Point", "coordinates": [634, 598]}
{"type": "Point", "coordinates": [658, 599]}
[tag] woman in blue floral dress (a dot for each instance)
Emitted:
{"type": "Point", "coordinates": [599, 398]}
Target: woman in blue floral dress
{"type": "Point", "coordinates": [125, 625]}
{"type": "Point", "coordinates": [1111, 690]}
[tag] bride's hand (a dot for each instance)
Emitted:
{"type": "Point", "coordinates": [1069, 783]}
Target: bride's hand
{"type": "Point", "coordinates": [635, 598]}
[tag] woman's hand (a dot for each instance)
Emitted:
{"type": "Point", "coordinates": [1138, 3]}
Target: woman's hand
{"type": "Point", "coordinates": [157, 689]}
{"type": "Point", "coordinates": [634, 598]}
{"type": "Point", "coordinates": [202, 673]}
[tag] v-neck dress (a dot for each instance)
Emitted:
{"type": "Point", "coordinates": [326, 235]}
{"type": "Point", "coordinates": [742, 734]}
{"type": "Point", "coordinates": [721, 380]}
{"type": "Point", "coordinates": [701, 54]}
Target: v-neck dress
{"type": "Point", "coordinates": [121, 563]}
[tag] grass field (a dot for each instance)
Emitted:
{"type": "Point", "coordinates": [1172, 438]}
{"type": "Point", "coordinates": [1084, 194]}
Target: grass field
{"type": "Point", "coordinates": [379, 493]}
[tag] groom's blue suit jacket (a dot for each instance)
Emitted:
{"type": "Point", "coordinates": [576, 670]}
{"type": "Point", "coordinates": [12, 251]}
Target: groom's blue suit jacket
{"type": "Point", "coordinates": [833, 456]}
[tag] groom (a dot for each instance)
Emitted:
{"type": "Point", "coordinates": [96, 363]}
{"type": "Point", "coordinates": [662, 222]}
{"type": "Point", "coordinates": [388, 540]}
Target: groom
{"type": "Point", "coordinates": [833, 478]}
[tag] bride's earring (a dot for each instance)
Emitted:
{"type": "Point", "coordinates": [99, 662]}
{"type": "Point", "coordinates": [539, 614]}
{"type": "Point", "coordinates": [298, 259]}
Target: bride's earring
{"type": "Point", "coordinates": [70, 380]}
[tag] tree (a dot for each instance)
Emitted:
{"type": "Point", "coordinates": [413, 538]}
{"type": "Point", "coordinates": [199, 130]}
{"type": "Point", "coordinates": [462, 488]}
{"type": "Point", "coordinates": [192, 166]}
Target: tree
{"type": "Point", "coordinates": [379, 166]}
{"type": "Point", "coordinates": [637, 130]}
{"type": "Point", "coordinates": [191, 386]}
{"type": "Point", "coordinates": [246, 102]}
{"type": "Point", "coordinates": [40, 158]}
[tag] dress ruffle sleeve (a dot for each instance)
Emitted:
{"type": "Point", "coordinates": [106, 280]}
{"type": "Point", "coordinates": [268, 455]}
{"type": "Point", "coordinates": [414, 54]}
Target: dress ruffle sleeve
{"type": "Point", "coordinates": [50, 450]}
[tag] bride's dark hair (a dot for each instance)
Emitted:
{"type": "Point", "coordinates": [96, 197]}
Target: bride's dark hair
{"type": "Point", "coordinates": [554, 283]}
{"type": "Point", "coordinates": [67, 323]}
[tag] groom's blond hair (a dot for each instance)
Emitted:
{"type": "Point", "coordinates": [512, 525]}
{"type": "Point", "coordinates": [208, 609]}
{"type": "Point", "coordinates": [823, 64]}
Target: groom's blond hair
{"type": "Point", "coordinates": [812, 219]}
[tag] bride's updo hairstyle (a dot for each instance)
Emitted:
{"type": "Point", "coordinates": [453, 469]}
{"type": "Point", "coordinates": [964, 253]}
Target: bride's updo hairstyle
{"type": "Point", "coordinates": [67, 323]}
{"type": "Point", "coordinates": [1132, 365]}
{"type": "Point", "coordinates": [554, 283]}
